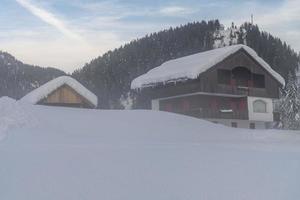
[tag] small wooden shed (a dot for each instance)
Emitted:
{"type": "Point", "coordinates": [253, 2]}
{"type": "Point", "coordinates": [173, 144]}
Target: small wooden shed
{"type": "Point", "coordinates": [62, 91]}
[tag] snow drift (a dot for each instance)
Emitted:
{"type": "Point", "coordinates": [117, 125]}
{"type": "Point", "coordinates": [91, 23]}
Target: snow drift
{"type": "Point", "coordinates": [13, 114]}
{"type": "Point", "coordinates": [96, 154]}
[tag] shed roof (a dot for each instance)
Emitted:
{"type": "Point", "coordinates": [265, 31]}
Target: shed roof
{"type": "Point", "coordinates": [43, 91]}
{"type": "Point", "coordinates": [190, 67]}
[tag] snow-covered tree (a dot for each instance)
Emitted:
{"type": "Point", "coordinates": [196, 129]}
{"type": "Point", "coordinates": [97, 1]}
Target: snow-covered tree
{"type": "Point", "coordinates": [127, 101]}
{"type": "Point", "coordinates": [289, 104]}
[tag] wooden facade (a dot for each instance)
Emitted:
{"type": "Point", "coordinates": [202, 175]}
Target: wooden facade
{"type": "Point", "coordinates": [207, 106]}
{"type": "Point", "coordinates": [66, 96]}
{"type": "Point", "coordinates": [224, 86]}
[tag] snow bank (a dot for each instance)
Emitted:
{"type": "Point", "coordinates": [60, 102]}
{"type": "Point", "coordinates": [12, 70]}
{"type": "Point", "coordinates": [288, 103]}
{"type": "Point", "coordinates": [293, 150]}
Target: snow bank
{"type": "Point", "coordinates": [190, 67]}
{"type": "Point", "coordinates": [13, 115]}
{"type": "Point", "coordinates": [132, 155]}
{"type": "Point", "coordinates": [43, 91]}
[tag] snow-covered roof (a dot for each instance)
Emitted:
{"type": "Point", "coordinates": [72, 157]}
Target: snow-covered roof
{"type": "Point", "coordinates": [43, 91]}
{"type": "Point", "coordinates": [190, 67]}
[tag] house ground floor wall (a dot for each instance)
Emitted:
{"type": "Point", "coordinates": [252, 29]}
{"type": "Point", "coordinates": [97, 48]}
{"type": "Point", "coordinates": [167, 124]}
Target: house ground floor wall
{"type": "Point", "coordinates": [230, 110]}
{"type": "Point", "coordinates": [243, 123]}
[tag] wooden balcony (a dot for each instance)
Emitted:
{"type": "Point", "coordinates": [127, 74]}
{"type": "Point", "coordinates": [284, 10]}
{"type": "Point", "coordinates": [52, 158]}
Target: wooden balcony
{"type": "Point", "coordinates": [239, 90]}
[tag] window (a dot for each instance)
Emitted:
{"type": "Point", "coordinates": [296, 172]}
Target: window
{"type": "Point", "coordinates": [224, 76]}
{"type": "Point", "coordinates": [252, 125]}
{"type": "Point", "coordinates": [234, 124]}
{"type": "Point", "coordinates": [241, 75]}
{"type": "Point", "coordinates": [259, 106]}
{"type": "Point", "coordinates": [224, 104]}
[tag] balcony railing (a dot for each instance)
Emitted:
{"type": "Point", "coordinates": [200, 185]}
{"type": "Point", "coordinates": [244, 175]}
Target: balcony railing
{"type": "Point", "coordinates": [240, 90]}
{"type": "Point", "coordinates": [217, 114]}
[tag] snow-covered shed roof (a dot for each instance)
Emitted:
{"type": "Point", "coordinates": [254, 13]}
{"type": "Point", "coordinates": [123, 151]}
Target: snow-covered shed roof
{"type": "Point", "coordinates": [190, 67]}
{"type": "Point", "coordinates": [43, 91]}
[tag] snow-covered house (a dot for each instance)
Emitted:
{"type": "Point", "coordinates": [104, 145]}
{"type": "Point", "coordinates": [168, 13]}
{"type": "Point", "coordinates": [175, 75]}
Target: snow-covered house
{"type": "Point", "coordinates": [230, 85]}
{"type": "Point", "coordinates": [62, 91]}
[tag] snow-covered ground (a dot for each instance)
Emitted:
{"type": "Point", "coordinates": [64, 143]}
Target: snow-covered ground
{"type": "Point", "coordinates": [53, 153]}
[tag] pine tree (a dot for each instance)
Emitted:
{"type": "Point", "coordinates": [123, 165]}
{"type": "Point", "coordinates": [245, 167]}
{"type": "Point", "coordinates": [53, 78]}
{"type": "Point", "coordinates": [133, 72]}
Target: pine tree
{"type": "Point", "coordinates": [289, 104]}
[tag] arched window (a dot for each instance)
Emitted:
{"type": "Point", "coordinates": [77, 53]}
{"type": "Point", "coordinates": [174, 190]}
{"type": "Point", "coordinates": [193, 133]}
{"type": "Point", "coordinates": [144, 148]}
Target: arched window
{"type": "Point", "coordinates": [259, 106]}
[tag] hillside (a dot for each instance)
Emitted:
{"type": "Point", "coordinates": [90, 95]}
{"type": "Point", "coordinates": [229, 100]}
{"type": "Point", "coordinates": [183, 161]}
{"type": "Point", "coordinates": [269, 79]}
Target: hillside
{"type": "Point", "coordinates": [110, 75]}
{"type": "Point", "coordinates": [115, 155]}
{"type": "Point", "coordinates": [17, 78]}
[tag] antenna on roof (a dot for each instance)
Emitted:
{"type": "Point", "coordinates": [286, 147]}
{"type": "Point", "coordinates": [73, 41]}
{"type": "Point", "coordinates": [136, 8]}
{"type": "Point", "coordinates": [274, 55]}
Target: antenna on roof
{"type": "Point", "coordinates": [252, 19]}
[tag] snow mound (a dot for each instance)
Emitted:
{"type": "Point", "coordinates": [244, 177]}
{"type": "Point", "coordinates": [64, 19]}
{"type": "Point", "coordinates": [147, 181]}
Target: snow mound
{"type": "Point", "coordinates": [42, 92]}
{"type": "Point", "coordinates": [190, 67]}
{"type": "Point", "coordinates": [91, 154]}
{"type": "Point", "coordinates": [13, 114]}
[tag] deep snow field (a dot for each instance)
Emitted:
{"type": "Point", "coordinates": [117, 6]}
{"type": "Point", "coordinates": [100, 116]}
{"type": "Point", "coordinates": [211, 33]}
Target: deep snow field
{"type": "Point", "coordinates": [51, 153]}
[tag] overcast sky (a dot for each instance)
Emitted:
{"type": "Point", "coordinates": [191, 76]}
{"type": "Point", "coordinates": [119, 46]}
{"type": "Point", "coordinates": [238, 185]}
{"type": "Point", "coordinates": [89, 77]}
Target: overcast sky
{"type": "Point", "coordinates": [68, 33]}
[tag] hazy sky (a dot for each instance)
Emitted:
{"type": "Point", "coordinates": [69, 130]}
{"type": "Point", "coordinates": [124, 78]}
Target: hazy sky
{"type": "Point", "coordinates": [68, 33]}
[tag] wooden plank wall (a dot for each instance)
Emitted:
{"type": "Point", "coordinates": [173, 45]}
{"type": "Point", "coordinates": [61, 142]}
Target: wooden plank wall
{"type": "Point", "coordinates": [64, 94]}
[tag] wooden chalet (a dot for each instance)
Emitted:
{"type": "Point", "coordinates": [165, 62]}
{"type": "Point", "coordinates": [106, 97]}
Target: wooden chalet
{"type": "Point", "coordinates": [230, 85]}
{"type": "Point", "coordinates": [62, 91]}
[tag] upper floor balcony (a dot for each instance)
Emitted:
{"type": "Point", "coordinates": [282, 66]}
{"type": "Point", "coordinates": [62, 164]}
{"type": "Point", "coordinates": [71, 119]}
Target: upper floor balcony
{"type": "Point", "coordinates": [241, 80]}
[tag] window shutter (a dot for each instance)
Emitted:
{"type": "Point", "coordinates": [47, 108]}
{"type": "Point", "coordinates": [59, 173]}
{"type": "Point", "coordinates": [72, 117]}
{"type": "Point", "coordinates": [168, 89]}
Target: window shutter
{"type": "Point", "coordinates": [168, 107]}
{"type": "Point", "coordinates": [233, 82]}
{"type": "Point", "coordinates": [242, 105]}
{"type": "Point", "coordinates": [214, 105]}
{"type": "Point", "coordinates": [233, 105]}
{"type": "Point", "coordinates": [186, 105]}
